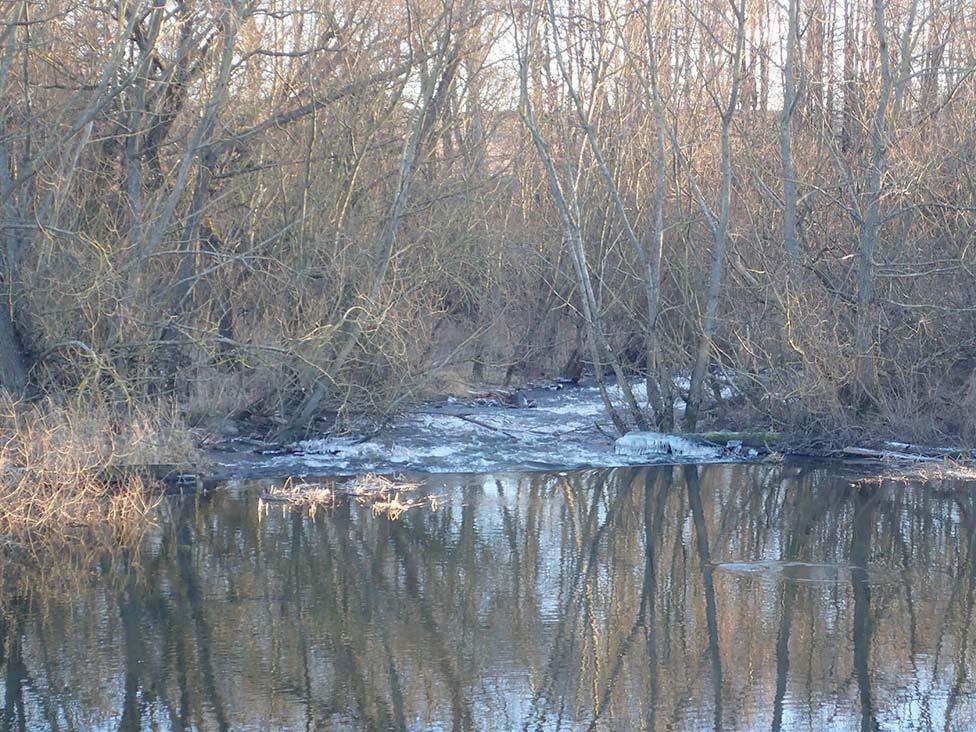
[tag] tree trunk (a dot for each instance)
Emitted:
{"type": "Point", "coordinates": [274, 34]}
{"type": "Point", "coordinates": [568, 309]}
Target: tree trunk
{"type": "Point", "coordinates": [864, 341]}
{"type": "Point", "coordinates": [721, 232]}
{"type": "Point", "coordinates": [13, 363]}
{"type": "Point", "coordinates": [659, 386]}
{"type": "Point", "coordinates": [786, 141]}
{"type": "Point", "coordinates": [596, 341]}
{"type": "Point", "coordinates": [850, 133]}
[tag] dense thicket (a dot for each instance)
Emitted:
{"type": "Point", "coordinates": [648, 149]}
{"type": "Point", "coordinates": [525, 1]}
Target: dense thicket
{"type": "Point", "coordinates": [309, 206]}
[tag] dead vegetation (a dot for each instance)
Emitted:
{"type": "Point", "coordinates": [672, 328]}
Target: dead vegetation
{"type": "Point", "coordinates": [386, 497]}
{"type": "Point", "coordinates": [927, 472]}
{"type": "Point", "coordinates": [68, 471]}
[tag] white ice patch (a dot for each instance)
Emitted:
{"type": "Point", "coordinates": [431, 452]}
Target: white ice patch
{"type": "Point", "coordinates": [644, 444]}
{"type": "Point", "coordinates": [579, 409]}
{"type": "Point", "coordinates": [568, 428]}
{"type": "Point", "coordinates": [639, 391]}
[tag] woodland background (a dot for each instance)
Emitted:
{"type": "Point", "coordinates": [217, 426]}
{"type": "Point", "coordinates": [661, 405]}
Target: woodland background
{"type": "Point", "coordinates": [300, 207]}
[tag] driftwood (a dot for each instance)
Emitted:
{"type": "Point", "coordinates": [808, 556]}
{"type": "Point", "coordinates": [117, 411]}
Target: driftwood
{"type": "Point", "coordinates": [864, 452]}
{"type": "Point", "coordinates": [485, 425]}
{"type": "Point", "coordinates": [169, 475]}
{"type": "Point", "coordinates": [942, 452]}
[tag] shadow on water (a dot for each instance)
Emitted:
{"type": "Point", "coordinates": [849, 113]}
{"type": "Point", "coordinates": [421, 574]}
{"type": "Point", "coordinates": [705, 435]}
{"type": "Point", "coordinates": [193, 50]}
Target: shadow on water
{"type": "Point", "coordinates": [718, 597]}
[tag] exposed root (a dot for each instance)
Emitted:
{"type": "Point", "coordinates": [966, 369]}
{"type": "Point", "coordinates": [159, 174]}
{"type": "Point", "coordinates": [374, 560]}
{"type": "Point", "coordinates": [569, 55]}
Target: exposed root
{"type": "Point", "coordinates": [383, 496]}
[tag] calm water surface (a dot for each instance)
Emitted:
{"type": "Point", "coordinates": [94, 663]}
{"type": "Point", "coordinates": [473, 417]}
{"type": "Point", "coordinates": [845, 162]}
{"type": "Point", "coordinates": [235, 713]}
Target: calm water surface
{"type": "Point", "coordinates": [718, 597]}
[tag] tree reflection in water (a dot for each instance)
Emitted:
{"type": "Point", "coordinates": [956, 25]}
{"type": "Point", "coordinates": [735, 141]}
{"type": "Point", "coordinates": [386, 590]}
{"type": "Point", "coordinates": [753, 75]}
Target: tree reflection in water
{"type": "Point", "coordinates": [721, 597]}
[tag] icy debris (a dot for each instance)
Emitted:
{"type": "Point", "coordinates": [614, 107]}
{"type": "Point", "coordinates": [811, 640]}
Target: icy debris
{"type": "Point", "coordinates": [640, 444]}
{"type": "Point", "coordinates": [567, 429]}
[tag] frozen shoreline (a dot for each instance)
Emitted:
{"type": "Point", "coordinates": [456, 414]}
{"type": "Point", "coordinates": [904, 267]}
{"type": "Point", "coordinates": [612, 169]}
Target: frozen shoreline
{"type": "Point", "coordinates": [566, 428]}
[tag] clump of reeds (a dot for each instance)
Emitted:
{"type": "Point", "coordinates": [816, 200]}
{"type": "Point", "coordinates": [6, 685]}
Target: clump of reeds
{"type": "Point", "coordinates": [69, 470]}
{"type": "Point", "coordinates": [948, 470]}
{"type": "Point", "coordinates": [384, 496]}
{"type": "Point", "coordinates": [923, 472]}
{"type": "Point", "coordinates": [311, 497]}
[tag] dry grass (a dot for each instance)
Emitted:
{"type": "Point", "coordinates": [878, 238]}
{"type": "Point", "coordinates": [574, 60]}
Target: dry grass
{"type": "Point", "coordinates": [383, 496]}
{"type": "Point", "coordinates": [311, 497]}
{"type": "Point", "coordinates": [50, 435]}
{"type": "Point", "coordinates": [929, 472]}
{"type": "Point", "coordinates": [68, 471]}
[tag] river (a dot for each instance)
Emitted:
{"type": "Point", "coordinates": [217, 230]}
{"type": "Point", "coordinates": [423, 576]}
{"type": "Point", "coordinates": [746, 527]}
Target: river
{"type": "Point", "coordinates": [689, 597]}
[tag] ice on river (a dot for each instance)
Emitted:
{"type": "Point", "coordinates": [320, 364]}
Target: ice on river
{"type": "Point", "coordinates": [567, 428]}
{"type": "Point", "coordinates": [649, 444]}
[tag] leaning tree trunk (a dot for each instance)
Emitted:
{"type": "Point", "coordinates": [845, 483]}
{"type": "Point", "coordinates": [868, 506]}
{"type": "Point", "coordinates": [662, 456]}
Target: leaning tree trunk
{"type": "Point", "coordinates": [433, 96]}
{"type": "Point", "coordinates": [595, 337]}
{"type": "Point", "coordinates": [650, 276]}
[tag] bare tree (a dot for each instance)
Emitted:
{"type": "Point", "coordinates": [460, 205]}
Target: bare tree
{"type": "Point", "coordinates": [440, 70]}
{"type": "Point", "coordinates": [304, 208]}
{"type": "Point", "coordinates": [864, 340]}
{"type": "Point", "coordinates": [719, 224]}
{"type": "Point", "coordinates": [790, 101]}
{"type": "Point", "coordinates": [13, 364]}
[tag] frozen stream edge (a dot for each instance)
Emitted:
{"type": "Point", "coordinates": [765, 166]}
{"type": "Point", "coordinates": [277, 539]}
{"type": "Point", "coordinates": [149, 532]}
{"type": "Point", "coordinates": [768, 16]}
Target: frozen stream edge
{"type": "Point", "coordinates": [567, 428]}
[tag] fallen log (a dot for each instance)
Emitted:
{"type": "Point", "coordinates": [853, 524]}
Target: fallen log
{"type": "Point", "coordinates": [926, 450]}
{"type": "Point", "coordinates": [865, 452]}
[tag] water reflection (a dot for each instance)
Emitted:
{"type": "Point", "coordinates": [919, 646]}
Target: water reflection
{"type": "Point", "coordinates": [720, 597]}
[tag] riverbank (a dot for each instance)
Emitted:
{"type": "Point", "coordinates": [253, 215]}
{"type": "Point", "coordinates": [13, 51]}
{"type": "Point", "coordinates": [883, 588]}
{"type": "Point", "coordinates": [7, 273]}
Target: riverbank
{"type": "Point", "coordinates": [546, 426]}
{"type": "Point", "coordinates": [71, 468]}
